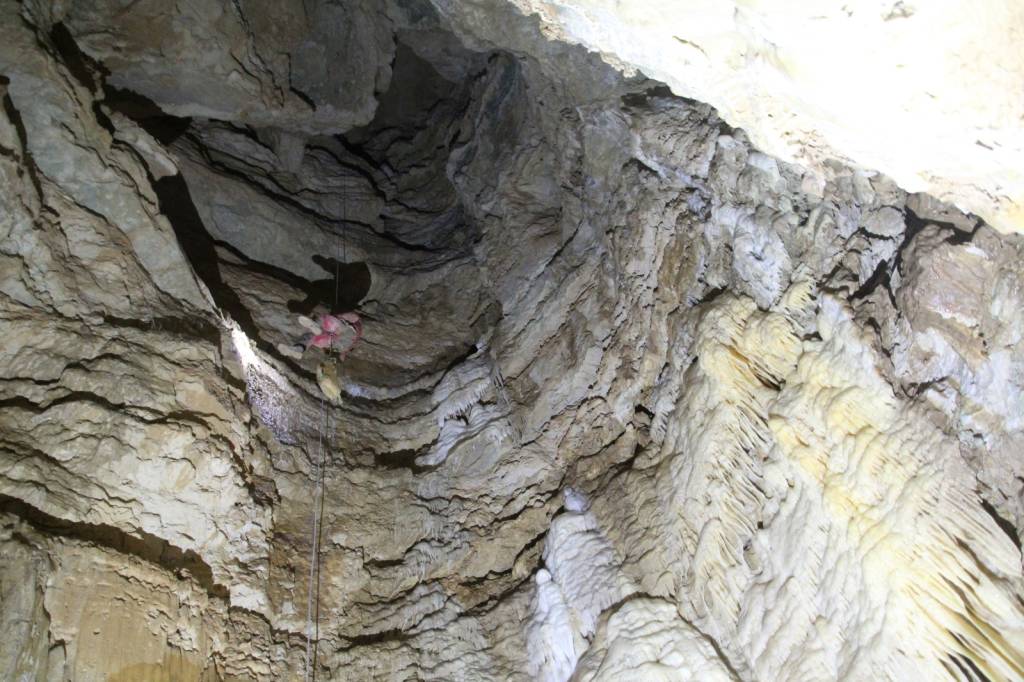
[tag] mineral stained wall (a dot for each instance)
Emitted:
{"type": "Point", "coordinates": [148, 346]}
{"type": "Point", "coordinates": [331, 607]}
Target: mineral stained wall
{"type": "Point", "coordinates": [636, 399]}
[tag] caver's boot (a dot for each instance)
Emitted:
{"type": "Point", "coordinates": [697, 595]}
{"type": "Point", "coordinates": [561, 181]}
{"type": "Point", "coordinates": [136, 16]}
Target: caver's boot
{"type": "Point", "coordinates": [327, 378]}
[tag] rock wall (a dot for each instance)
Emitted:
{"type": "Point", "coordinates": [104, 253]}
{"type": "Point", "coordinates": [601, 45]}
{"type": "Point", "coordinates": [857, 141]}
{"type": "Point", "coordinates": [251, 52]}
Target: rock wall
{"type": "Point", "coordinates": [927, 93]}
{"type": "Point", "coordinates": [635, 400]}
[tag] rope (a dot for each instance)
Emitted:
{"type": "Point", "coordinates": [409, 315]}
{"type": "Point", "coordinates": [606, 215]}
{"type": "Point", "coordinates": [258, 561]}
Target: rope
{"type": "Point", "coordinates": [314, 559]}
{"type": "Point", "coordinates": [313, 593]}
{"type": "Point", "coordinates": [342, 247]}
{"type": "Point", "coordinates": [319, 544]}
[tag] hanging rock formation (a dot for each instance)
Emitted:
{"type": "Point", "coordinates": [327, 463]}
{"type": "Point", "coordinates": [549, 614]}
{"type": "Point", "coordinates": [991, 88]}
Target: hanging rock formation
{"type": "Point", "coordinates": [635, 400]}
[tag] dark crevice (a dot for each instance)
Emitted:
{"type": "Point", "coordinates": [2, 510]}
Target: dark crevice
{"type": "Point", "coordinates": [915, 389]}
{"type": "Point", "coordinates": [151, 118]}
{"type": "Point", "coordinates": [200, 249]}
{"type": "Point", "coordinates": [642, 409]}
{"type": "Point", "coordinates": [1004, 524]}
{"type": "Point", "coordinates": [882, 276]}
{"type": "Point", "coordinates": [711, 295]}
{"type": "Point", "coordinates": [90, 73]}
{"type": "Point", "coordinates": [953, 667]}
{"type": "Point", "coordinates": [82, 68]}
{"type": "Point", "coordinates": [360, 152]}
{"type": "Point", "coordinates": [23, 403]}
{"type": "Point", "coordinates": [353, 281]}
{"type": "Point", "coordinates": [383, 563]}
{"type": "Point", "coordinates": [408, 246]}
{"type": "Point", "coordinates": [496, 600]}
{"type": "Point", "coordinates": [139, 543]}
{"type": "Point", "coordinates": [529, 547]}
{"type": "Point", "coordinates": [382, 637]}
{"type": "Point", "coordinates": [643, 168]}
{"type": "Point", "coordinates": [642, 99]}
{"type": "Point", "coordinates": [403, 459]}
{"type": "Point", "coordinates": [976, 672]}
{"type": "Point", "coordinates": [302, 96]}
{"type": "Point", "coordinates": [172, 194]}
{"type": "Point", "coordinates": [19, 126]}
{"type": "Point", "coordinates": [346, 286]}
{"type": "Point", "coordinates": [189, 328]}
{"type": "Point", "coordinates": [958, 236]}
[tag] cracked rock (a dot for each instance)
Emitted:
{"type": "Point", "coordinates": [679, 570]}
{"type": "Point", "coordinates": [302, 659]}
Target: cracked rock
{"type": "Point", "coordinates": [634, 398]}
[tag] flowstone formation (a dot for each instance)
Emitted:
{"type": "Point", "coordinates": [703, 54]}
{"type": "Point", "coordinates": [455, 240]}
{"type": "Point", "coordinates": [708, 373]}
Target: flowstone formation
{"type": "Point", "coordinates": [634, 400]}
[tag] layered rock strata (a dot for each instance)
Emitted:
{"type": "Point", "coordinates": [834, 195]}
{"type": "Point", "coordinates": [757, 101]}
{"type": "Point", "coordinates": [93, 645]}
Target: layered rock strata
{"type": "Point", "coordinates": [636, 400]}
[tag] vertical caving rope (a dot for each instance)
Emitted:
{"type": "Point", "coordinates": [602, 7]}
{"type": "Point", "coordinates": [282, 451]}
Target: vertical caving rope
{"type": "Point", "coordinates": [314, 560]}
{"type": "Point", "coordinates": [313, 589]}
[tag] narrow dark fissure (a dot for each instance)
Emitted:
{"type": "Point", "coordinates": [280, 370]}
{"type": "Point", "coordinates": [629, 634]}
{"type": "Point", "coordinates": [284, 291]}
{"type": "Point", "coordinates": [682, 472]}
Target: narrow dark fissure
{"type": "Point", "coordinates": [1004, 525]}
{"type": "Point", "coordinates": [200, 249]}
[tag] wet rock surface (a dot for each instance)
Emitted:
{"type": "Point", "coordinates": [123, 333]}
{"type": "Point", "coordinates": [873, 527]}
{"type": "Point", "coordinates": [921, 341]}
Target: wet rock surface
{"type": "Point", "coordinates": [634, 398]}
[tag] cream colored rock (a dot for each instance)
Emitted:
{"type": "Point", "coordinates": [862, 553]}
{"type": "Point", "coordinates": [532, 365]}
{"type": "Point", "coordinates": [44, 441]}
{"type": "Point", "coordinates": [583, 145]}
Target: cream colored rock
{"type": "Point", "coordinates": [644, 639]}
{"type": "Point", "coordinates": [808, 501]}
{"type": "Point", "coordinates": [581, 580]}
{"type": "Point", "coordinates": [926, 92]}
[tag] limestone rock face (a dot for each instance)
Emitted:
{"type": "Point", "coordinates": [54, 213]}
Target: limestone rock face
{"type": "Point", "coordinates": [634, 398]}
{"type": "Point", "coordinates": [267, 64]}
{"type": "Point", "coordinates": [927, 93]}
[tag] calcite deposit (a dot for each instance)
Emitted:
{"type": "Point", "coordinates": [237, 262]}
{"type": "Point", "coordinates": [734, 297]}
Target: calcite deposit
{"type": "Point", "coordinates": [926, 92]}
{"type": "Point", "coordinates": [648, 390]}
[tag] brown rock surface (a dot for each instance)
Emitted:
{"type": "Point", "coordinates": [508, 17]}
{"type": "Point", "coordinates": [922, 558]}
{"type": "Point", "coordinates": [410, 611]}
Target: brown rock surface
{"type": "Point", "coordinates": [634, 398]}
